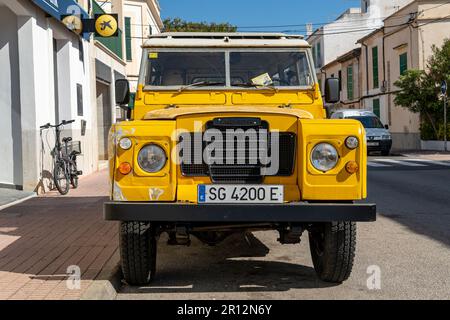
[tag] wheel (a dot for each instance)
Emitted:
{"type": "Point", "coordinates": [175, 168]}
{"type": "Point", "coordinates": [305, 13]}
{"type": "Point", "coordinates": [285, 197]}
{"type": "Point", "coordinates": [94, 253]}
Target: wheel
{"type": "Point", "coordinates": [332, 246]}
{"type": "Point", "coordinates": [61, 178]}
{"type": "Point", "coordinates": [137, 252]}
{"type": "Point", "coordinates": [73, 175]}
{"type": "Point", "coordinates": [385, 153]}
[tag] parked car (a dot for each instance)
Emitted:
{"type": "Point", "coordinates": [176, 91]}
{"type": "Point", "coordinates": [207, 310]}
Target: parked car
{"type": "Point", "coordinates": [378, 136]}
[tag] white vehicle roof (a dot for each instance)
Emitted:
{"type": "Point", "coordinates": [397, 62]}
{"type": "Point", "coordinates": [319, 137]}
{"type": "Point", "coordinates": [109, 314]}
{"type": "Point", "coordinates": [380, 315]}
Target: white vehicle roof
{"type": "Point", "coordinates": [225, 40]}
{"type": "Point", "coordinates": [355, 112]}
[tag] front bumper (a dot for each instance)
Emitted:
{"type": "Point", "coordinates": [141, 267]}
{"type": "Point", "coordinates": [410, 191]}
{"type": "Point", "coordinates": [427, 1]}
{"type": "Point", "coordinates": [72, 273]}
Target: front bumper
{"type": "Point", "coordinates": [289, 212]}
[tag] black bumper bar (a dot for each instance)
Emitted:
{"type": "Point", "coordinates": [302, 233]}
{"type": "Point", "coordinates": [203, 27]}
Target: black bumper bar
{"type": "Point", "coordinates": [289, 212]}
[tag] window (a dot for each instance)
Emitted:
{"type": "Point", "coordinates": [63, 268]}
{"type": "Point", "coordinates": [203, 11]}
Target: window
{"type": "Point", "coordinates": [350, 82]}
{"type": "Point", "coordinates": [129, 52]}
{"type": "Point", "coordinates": [340, 80]}
{"type": "Point", "coordinates": [376, 107]}
{"type": "Point", "coordinates": [250, 69]}
{"type": "Point", "coordinates": [319, 55]}
{"type": "Point", "coordinates": [79, 99]}
{"type": "Point", "coordinates": [403, 63]}
{"type": "Point", "coordinates": [375, 67]}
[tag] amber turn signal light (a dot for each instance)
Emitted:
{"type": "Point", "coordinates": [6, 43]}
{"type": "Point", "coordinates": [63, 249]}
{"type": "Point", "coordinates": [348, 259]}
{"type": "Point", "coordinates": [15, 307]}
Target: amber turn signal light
{"type": "Point", "coordinates": [125, 168]}
{"type": "Point", "coordinates": [351, 167]}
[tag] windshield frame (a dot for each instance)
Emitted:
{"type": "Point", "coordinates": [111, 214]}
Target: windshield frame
{"type": "Point", "coordinates": [226, 51]}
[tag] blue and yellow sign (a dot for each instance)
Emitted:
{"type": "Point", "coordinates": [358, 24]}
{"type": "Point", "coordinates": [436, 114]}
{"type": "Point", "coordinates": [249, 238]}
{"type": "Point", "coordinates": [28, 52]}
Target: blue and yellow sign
{"type": "Point", "coordinates": [106, 25]}
{"type": "Point", "coordinates": [60, 9]}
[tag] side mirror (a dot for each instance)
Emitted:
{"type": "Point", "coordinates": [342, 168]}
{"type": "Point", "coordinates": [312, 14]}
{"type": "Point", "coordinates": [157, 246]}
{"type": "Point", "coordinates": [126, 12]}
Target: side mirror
{"type": "Point", "coordinates": [386, 127]}
{"type": "Point", "coordinates": [122, 92]}
{"type": "Point", "coordinates": [332, 94]}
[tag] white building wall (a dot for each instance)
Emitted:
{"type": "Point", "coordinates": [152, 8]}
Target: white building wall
{"type": "Point", "coordinates": [28, 96]}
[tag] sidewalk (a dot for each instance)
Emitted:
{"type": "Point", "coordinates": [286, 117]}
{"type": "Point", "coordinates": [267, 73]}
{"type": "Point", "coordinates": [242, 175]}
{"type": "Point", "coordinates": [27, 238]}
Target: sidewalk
{"type": "Point", "coordinates": [41, 237]}
{"type": "Point", "coordinates": [426, 155]}
{"type": "Point", "coordinates": [11, 196]}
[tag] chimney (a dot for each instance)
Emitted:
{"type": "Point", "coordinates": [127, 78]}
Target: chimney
{"type": "Point", "coordinates": [309, 29]}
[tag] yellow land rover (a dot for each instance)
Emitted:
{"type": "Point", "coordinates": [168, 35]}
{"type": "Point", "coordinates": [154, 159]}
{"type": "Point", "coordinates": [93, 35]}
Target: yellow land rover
{"type": "Point", "coordinates": [229, 133]}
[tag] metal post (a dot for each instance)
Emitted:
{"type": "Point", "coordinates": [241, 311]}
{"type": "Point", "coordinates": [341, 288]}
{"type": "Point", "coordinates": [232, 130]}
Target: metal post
{"type": "Point", "coordinates": [445, 123]}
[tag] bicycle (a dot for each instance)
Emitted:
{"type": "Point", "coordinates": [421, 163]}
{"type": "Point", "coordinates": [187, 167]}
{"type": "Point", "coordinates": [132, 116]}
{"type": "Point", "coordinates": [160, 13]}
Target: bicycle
{"type": "Point", "coordinates": [64, 155]}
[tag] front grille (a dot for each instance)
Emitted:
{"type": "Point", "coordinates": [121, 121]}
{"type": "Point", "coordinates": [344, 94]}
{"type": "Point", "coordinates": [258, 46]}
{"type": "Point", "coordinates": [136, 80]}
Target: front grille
{"type": "Point", "coordinates": [247, 167]}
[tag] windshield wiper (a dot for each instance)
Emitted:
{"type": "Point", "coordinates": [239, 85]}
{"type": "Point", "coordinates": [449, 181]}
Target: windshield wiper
{"type": "Point", "coordinates": [201, 84]}
{"type": "Point", "coordinates": [252, 85]}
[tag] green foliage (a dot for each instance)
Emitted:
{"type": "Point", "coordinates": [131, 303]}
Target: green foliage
{"type": "Point", "coordinates": [420, 91]}
{"type": "Point", "coordinates": [179, 25]}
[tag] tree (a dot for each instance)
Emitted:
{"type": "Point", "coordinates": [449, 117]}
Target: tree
{"type": "Point", "coordinates": [179, 25]}
{"type": "Point", "coordinates": [419, 90]}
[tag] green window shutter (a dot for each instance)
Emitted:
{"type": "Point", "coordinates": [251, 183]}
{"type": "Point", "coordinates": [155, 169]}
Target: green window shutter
{"type": "Point", "coordinates": [376, 107]}
{"type": "Point", "coordinates": [129, 53]}
{"type": "Point", "coordinates": [319, 55]}
{"type": "Point", "coordinates": [350, 82]}
{"type": "Point", "coordinates": [375, 67]}
{"type": "Point", "coordinates": [403, 63]}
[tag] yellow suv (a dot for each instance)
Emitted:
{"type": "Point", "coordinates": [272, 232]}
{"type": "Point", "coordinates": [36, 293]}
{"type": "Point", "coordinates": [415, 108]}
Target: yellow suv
{"type": "Point", "coordinates": [228, 133]}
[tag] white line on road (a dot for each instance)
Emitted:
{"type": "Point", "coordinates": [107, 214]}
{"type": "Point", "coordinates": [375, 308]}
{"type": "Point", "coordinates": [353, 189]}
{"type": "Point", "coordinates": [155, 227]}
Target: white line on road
{"type": "Point", "coordinates": [441, 163]}
{"type": "Point", "coordinates": [377, 165]}
{"type": "Point", "coordinates": [403, 163]}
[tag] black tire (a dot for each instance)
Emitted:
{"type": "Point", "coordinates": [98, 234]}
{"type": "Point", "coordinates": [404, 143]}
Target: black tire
{"type": "Point", "coordinates": [137, 252]}
{"type": "Point", "coordinates": [61, 178]}
{"type": "Point", "coordinates": [385, 153]}
{"type": "Point", "coordinates": [332, 246]}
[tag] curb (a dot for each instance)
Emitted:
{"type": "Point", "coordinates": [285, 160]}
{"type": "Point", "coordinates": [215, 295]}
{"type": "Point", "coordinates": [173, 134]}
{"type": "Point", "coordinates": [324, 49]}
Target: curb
{"type": "Point", "coordinates": [106, 285]}
{"type": "Point", "coordinates": [17, 202]}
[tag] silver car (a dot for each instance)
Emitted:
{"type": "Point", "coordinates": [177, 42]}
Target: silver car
{"type": "Point", "coordinates": [378, 136]}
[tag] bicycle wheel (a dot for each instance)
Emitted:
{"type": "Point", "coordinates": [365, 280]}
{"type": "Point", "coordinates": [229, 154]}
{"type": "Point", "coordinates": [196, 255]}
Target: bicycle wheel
{"type": "Point", "coordinates": [61, 178]}
{"type": "Point", "coordinates": [73, 174]}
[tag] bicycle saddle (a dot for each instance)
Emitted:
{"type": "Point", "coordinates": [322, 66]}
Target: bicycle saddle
{"type": "Point", "coordinates": [67, 139]}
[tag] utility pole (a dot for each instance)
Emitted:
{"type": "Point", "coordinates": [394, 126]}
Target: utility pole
{"type": "Point", "coordinates": [444, 93]}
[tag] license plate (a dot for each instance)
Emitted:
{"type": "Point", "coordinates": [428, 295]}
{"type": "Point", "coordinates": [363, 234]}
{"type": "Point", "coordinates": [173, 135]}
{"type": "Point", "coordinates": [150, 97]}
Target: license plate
{"type": "Point", "coordinates": [372, 144]}
{"type": "Point", "coordinates": [244, 194]}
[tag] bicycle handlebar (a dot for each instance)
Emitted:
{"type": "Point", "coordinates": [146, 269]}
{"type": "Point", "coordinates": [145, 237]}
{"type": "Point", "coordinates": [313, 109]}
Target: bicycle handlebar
{"type": "Point", "coordinates": [64, 122]}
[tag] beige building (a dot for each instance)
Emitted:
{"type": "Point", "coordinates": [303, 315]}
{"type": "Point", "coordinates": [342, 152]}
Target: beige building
{"type": "Point", "coordinates": [138, 20]}
{"type": "Point", "coordinates": [347, 69]}
{"type": "Point", "coordinates": [403, 43]}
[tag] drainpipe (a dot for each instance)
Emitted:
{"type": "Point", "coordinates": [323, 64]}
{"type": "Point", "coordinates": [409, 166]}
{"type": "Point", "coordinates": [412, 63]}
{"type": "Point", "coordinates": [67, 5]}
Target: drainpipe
{"type": "Point", "coordinates": [367, 70]}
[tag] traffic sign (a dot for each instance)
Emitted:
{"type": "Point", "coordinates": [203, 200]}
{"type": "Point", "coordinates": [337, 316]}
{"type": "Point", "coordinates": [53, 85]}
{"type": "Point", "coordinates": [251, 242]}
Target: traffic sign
{"type": "Point", "coordinates": [444, 87]}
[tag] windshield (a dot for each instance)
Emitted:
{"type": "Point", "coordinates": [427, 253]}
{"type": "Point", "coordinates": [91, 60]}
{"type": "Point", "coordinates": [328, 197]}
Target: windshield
{"type": "Point", "coordinates": [227, 68]}
{"type": "Point", "coordinates": [369, 122]}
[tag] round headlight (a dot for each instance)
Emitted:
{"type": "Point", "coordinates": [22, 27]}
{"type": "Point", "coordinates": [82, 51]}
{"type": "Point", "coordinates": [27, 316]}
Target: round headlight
{"type": "Point", "coordinates": [152, 158]}
{"type": "Point", "coordinates": [352, 142]}
{"type": "Point", "coordinates": [324, 157]}
{"type": "Point", "coordinates": [125, 143]}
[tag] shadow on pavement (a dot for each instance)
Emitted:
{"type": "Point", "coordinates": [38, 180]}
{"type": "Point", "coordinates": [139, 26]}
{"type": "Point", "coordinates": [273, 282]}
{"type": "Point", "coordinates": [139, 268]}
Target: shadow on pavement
{"type": "Point", "coordinates": [419, 200]}
{"type": "Point", "coordinates": [42, 237]}
{"type": "Point", "coordinates": [235, 265]}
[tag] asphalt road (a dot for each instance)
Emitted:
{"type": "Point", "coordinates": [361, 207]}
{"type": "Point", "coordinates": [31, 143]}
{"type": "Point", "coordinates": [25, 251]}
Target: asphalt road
{"type": "Point", "coordinates": [409, 244]}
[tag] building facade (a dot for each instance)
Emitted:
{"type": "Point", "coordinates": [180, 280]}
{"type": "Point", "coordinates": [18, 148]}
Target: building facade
{"type": "Point", "coordinates": [404, 42]}
{"type": "Point", "coordinates": [340, 37]}
{"type": "Point", "coordinates": [50, 74]}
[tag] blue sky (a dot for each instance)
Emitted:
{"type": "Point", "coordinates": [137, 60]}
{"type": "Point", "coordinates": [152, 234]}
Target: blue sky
{"type": "Point", "coordinates": [243, 13]}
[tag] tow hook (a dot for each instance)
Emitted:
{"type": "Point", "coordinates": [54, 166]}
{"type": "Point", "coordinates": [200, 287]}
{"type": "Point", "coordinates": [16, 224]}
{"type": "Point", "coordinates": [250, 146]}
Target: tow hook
{"type": "Point", "coordinates": [290, 234]}
{"type": "Point", "coordinates": [179, 237]}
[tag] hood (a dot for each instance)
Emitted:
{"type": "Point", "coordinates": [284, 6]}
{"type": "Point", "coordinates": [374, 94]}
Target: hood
{"type": "Point", "coordinates": [173, 113]}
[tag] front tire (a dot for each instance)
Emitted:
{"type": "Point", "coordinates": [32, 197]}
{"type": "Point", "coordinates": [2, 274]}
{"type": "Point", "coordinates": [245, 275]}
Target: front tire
{"type": "Point", "coordinates": [61, 178]}
{"type": "Point", "coordinates": [138, 252]}
{"type": "Point", "coordinates": [332, 246]}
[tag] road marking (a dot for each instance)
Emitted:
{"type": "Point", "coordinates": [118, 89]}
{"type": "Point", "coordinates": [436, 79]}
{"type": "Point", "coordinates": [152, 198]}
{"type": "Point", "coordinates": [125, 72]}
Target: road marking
{"type": "Point", "coordinates": [441, 163]}
{"type": "Point", "coordinates": [402, 163]}
{"type": "Point", "coordinates": [377, 165]}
